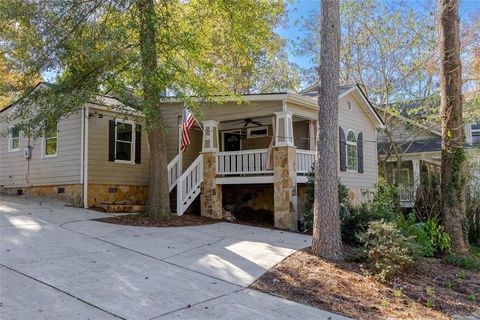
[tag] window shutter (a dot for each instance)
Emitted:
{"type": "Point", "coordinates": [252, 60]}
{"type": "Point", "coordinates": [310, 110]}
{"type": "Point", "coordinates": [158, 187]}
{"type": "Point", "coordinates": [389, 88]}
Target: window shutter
{"type": "Point", "coordinates": [111, 140]}
{"type": "Point", "coordinates": [138, 144]}
{"type": "Point", "coordinates": [360, 152]}
{"type": "Point", "coordinates": [343, 156]}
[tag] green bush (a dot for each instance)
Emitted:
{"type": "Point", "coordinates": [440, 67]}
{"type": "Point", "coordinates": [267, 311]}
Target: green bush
{"type": "Point", "coordinates": [471, 262]}
{"type": "Point", "coordinates": [389, 251]}
{"type": "Point", "coordinates": [382, 207]}
{"type": "Point", "coordinates": [429, 237]}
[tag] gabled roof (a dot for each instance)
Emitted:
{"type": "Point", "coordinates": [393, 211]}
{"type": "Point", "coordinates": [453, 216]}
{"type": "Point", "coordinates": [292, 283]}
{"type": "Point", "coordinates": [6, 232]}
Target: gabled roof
{"type": "Point", "coordinates": [101, 100]}
{"type": "Point", "coordinates": [312, 93]}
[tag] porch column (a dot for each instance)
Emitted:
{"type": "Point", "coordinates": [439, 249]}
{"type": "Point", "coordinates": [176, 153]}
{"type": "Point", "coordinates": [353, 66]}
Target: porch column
{"type": "Point", "coordinates": [416, 174]}
{"type": "Point", "coordinates": [284, 173]}
{"type": "Point", "coordinates": [284, 129]}
{"type": "Point", "coordinates": [211, 193]}
{"type": "Point", "coordinates": [285, 188]}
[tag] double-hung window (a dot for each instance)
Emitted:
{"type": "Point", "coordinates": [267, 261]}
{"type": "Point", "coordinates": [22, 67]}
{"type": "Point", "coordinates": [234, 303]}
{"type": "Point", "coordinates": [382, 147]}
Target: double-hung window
{"type": "Point", "coordinates": [13, 139]}
{"type": "Point", "coordinates": [124, 141]}
{"type": "Point", "coordinates": [50, 140]}
{"type": "Point", "coordinates": [352, 151]}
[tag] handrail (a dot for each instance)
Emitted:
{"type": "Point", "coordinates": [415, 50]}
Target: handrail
{"type": "Point", "coordinates": [305, 161]}
{"type": "Point", "coordinates": [174, 171]}
{"type": "Point", "coordinates": [188, 185]}
{"type": "Point", "coordinates": [242, 162]}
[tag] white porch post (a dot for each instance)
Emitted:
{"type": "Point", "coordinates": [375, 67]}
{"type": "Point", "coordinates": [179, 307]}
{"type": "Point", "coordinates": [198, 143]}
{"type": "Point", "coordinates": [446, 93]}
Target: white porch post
{"type": "Point", "coordinates": [210, 136]}
{"type": "Point", "coordinates": [284, 129]}
{"type": "Point", "coordinates": [416, 174]}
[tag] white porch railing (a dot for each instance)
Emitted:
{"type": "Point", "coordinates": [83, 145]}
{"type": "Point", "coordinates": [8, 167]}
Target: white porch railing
{"type": "Point", "coordinates": [242, 162]}
{"type": "Point", "coordinates": [407, 196]}
{"type": "Point", "coordinates": [174, 172]}
{"type": "Point", "coordinates": [188, 185]}
{"type": "Point", "coordinates": [305, 161]}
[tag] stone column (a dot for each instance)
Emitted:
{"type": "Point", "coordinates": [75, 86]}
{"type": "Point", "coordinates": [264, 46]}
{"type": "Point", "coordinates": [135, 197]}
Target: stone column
{"type": "Point", "coordinates": [211, 193]}
{"type": "Point", "coordinates": [285, 187]}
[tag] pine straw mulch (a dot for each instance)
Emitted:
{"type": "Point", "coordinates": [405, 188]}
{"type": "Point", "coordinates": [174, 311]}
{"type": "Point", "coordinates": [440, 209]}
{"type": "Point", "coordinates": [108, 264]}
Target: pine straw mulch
{"type": "Point", "coordinates": [140, 220]}
{"type": "Point", "coordinates": [346, 289]}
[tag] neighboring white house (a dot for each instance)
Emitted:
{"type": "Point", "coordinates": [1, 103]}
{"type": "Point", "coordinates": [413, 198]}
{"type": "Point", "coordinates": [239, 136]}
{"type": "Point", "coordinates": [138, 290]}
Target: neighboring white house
{"type": "Point", "coordinates": [254, 155]}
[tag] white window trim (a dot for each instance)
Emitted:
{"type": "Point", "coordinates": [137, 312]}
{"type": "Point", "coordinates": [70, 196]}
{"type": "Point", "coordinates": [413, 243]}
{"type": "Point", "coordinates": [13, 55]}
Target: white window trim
{"type": "Point", "coordinates": [10, 140]}
{"type": "Point", "coordinates": [350, 143]}
{"type": "Point", "coordinates": [239, 131]}
{"type": "Point", "coordinates": [44, 146]}
{"type": "Point", "coordinates": [249, 132]}
{"type": "Point", "coordinates": [132, 156]}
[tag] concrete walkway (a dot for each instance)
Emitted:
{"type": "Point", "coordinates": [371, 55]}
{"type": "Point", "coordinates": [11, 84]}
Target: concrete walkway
{"type": "Point", "coordinates": [57, 264]}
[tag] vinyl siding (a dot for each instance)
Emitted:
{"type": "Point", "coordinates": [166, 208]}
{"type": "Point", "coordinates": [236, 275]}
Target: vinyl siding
{"type": "Point", "coordinates": [102, 171]}
{"type": "Point", "coordinates": [357, 120]}
{"type": "Point", "coordinates": [16, 171]}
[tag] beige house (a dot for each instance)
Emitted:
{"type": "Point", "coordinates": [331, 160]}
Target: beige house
{"type": "Point", "coordinates": [253, 155]}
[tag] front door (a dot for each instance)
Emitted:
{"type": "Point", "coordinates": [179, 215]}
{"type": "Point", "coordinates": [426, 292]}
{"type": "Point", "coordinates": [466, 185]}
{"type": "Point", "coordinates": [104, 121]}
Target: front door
{"type": "Point", "coordinates": [232, 141]}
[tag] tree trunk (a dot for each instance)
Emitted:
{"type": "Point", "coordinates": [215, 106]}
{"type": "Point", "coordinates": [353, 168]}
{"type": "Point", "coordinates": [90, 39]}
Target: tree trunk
{"type": "Point", "coordinates": [453, 155]}
{"type": "Point", "coordinates": [158, 204]}
{"type": "Point", "coordinates": [327, 240]}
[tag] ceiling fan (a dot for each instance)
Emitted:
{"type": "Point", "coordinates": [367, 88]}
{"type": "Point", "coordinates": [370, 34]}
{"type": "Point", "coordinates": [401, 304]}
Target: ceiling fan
{"type": "Point", "coordinates": [248, 121]}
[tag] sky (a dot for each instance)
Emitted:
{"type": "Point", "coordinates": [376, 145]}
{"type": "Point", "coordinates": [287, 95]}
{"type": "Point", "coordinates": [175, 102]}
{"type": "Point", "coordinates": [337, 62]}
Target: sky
{"type": "Point", "coordinates": [301, 9]}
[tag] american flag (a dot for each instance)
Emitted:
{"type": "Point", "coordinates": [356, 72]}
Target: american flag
{"type": "Point", "coordinates": [188, 120]}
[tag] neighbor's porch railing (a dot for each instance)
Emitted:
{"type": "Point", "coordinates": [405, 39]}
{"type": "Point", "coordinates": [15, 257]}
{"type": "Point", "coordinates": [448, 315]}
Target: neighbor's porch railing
{"type": "Point", "coordinates": [242, 162]}
{"type": "Point", "coordinates": [406, 195]}
{"type": "Point", "coordinates": [305, 161]}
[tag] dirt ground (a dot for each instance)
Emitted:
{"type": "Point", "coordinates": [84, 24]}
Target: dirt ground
{"type": "Point", "coordinates": [140, 220]}
{"type": "Point", "coordinates": [430, 290]}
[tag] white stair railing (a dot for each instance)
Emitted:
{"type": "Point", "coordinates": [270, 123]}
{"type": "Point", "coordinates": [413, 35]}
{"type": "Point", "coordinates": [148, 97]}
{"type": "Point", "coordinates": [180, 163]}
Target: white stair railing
{"type": "Point", "coordinates": [305, 161]}
{"type": "Point", "coordinates": [174, 172]}
{"type": "Point", "coordinates": [188, 185]}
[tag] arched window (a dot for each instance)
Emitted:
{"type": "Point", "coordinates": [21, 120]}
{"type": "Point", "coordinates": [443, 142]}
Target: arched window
{"type": "Point", "coordinates": [352, 151]}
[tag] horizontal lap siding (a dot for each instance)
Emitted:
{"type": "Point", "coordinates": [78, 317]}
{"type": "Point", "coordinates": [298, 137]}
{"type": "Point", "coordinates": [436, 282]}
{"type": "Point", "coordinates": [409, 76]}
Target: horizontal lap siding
{"type": "Point", "coordinates": [15, 170]}
{"type": "Point", "coordinates": [102, 171]}
{"type": "Point", "coordinates": [357, 120]}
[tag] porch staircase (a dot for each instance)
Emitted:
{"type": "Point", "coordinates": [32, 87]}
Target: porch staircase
{"type": "Point", "coordinates": [184, 187]}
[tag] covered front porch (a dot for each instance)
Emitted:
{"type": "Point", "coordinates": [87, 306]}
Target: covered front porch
{"type": "Point", "coordinates": [409, 175]}
{"type": "Point", "coordinates": [274, 148]}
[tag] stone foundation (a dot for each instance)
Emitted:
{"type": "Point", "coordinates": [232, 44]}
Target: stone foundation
{"type": "Point", "coordinates": [109, 194]}
{"type": "Point", "coordinates": [71, 193]}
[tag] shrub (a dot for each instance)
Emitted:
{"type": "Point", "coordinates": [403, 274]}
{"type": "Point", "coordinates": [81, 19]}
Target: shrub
{"type": "Point", "coordinates": [467, 262]}
{"type": "Point", "coordinates": [382, 207]}
{"type": "Point", "coordinates": [428, 196]}
{"type": "Point", "coordinates": [473, 214]}
{"type": "Point", "coordinates": [430, 237]}
{"type": "Point", "coordinates": [389, 251]}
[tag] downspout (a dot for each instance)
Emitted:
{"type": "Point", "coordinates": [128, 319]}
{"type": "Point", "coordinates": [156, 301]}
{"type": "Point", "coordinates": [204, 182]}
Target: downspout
{"type": "Point", "coordinates": [85, 156]}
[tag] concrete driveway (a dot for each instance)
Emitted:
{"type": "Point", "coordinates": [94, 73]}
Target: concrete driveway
{"type": "Point", "coordinates": [55, 263]}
